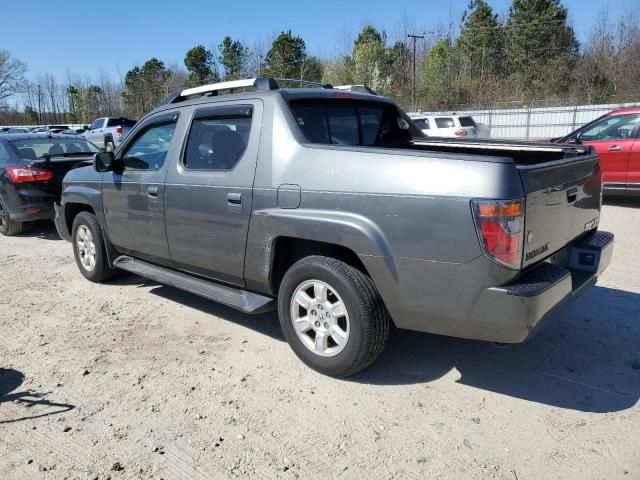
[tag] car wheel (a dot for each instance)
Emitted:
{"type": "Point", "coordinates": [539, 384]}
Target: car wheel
{"type": "Point", "coordinates": [332, 316]}
{"type": "Point", "coordinates": [8, 227]}
{"type": "Point", "coordinates": [109, 146]}
{"type": "Point", "coordinates": [88, 248]}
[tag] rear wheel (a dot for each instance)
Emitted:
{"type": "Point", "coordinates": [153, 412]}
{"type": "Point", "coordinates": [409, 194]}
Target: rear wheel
{"type": "Point", "coordinates": [8, 227]}
{"type": "Point", "coordinates": [332, 316]}
{"type": "Point", "coordinates": [109, 146]}
{"type": "Point", "coordinates": [89, 250]}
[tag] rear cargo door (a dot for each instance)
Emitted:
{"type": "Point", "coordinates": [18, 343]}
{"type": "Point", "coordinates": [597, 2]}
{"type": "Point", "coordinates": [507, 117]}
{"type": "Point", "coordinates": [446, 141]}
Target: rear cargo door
{"type": "Point", "coordinates": [563, 200]}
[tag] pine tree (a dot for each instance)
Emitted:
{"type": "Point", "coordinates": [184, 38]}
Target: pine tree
{"type": "Point", "coordinates": [288, 58]}
{"type": "Point", "coordinates": [538, 43]}
{"type": "Point", "coordinates": [233, 58]}
{"type": "Point", "coordinates": [201, 66]}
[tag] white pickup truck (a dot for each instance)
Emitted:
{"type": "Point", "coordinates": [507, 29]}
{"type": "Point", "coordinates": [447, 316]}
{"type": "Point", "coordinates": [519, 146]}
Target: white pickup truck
{"type": "Point", "coordinates": [107, 132]}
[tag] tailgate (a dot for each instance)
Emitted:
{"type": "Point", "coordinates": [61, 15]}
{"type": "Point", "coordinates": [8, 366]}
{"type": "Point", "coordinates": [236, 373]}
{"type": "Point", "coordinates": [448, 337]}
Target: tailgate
{"type": "Point", "coordinates": [563, 199]}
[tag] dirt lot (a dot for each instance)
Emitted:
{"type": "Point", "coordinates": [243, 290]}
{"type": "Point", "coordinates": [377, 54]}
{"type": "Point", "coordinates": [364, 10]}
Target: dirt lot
{"type": "Point", "coordinates": [136, 380]}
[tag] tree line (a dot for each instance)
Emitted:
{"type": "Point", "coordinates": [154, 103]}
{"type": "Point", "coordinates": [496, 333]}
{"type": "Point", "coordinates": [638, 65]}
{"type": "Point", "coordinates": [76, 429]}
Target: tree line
{"type": "Point", "coordinates": [531, 53]}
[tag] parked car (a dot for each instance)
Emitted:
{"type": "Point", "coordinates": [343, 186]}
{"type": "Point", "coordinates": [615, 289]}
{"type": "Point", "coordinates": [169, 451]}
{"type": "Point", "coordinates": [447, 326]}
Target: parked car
{"type": "Point", "coordinates": [456, 126]}
{"type": "Point", "coordinates": [615, 137]}
{"type": "Point", "coordinates": [108, 132]}
{"type": "Point", "coordinates": [31, 170]}
{"type": "Point", "coordinates": [18, 130]}
{"type": "Point", "coordinates": [336, 205]}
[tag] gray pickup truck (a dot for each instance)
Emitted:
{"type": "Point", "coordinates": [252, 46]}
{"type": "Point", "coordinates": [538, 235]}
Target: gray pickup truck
{"type": "Point", "coordinates": [108, 132]}
{"type": "Point", "coordinates": [332, 204]}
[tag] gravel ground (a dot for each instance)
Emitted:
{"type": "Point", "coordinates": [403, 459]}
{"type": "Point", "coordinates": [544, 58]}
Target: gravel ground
{"type": "Point", "coordinates": [136, 380]}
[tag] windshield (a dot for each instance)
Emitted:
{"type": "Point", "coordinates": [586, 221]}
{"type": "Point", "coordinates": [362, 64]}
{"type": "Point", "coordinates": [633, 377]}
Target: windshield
{"type": "Point", "coordinates": [31, 148]}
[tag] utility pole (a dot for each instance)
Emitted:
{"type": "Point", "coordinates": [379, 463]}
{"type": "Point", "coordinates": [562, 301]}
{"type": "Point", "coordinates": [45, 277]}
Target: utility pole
{"type": "Point", "coordinates": [414, 37]}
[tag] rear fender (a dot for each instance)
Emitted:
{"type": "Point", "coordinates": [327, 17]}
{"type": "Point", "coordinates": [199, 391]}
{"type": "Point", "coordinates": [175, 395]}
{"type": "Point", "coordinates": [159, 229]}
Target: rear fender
{"type": "Point", "coordinates": [355, 232]}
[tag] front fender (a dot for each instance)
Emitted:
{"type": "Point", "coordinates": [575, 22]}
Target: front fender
{"type": "Point", "coordinates": [353, 231]}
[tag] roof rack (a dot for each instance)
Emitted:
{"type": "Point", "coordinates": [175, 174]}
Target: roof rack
{"type": "Point", "coordinates": [259, 83]}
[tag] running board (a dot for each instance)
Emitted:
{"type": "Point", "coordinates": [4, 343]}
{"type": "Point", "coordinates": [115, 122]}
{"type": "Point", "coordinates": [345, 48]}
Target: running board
{"type": "Point", "coordinates": [232, 297]}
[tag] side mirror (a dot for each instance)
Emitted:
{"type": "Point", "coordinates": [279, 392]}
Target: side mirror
{"type": "Point", "coordinates": [107, 162]}
{"type": "Point", "coordinates": [578, 140]}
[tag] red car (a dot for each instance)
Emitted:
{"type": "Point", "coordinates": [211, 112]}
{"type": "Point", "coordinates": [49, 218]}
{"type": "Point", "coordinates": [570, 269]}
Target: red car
{"type": "Point", "coordinates": [615, 138]}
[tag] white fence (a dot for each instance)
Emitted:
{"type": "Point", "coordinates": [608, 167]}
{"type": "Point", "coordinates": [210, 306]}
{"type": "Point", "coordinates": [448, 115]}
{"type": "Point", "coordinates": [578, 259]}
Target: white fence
{"type": "Point", "coordinates": [535, 123]}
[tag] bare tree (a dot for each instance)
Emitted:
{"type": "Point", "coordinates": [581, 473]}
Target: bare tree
{"type": "Point", "coordinates": [12, 73]}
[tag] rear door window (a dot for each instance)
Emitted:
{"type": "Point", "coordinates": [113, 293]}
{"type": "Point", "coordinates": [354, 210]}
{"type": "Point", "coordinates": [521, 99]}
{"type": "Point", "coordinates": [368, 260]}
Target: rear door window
{"type": "Point", "coordinates": [218, 138]}
{"type": "Point", "coordinates": [445, 122]}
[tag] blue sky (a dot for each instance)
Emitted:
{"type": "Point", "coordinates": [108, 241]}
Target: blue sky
{"type": "Point", "coordinates": [87, 38]}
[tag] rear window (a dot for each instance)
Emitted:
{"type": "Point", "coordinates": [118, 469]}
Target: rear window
{"type": "Point", "coordinates": [31, 148]}
{"type": "Point", "coordinates": [120, 122]}
{"type": "Point", "coordinates": [351, 123]}
{"type": "Point", "coordinates": [445, 122]}
{"type": "Point", "coordinates": [467, 122]}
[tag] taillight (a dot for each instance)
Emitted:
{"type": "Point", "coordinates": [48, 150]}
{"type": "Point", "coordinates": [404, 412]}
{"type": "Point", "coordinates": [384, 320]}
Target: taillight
{"type": "Point", "coordinates": [118, 130]}
{"type": "Point", "coordinates": [28, 174]}
{"type": "Point", "coordinates": [500, 229]}
{"type": "Point", "coordinates": [460, 133]}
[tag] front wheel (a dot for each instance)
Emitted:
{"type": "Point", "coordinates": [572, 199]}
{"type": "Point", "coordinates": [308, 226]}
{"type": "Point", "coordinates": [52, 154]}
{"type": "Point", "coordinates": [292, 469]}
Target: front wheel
{"type": "Point", "coordinates": [332, 316]}
{"type": "Point", "coordinates": [89, 249]}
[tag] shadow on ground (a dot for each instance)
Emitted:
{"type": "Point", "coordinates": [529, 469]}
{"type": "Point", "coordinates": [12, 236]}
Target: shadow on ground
{"type": "Point", "coordinates": [43, 229]}
{"type": "Point", "coordinates": [582, 360]}
{"type": "Point", "coordinates": [622, 201]}
{"type": "Point", "coordinates": [264, 323]}
{"type": "Point", "coordinates": [10, 382]}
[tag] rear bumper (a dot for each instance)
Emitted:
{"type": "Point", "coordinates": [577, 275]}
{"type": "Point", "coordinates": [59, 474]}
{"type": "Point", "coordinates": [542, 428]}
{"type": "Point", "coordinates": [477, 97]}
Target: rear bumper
{"type": "Point", "coordinates": [26, 202]}
{"type": "Point", "coordinates": [35, 211]}
{"type": "Point", "coordinates": [61, 223]}
{"type": "Point", "coordinates": [512, 313]}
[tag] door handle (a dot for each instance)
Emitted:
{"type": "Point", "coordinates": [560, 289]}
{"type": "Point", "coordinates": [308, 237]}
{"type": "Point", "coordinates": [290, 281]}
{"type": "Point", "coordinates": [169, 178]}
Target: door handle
{"type": "Point", "coordinates": [153, 191]}
{"type": "Point", "coordinates": [234, 198]}
{"type": "Point", "coordinates": [615, 148]}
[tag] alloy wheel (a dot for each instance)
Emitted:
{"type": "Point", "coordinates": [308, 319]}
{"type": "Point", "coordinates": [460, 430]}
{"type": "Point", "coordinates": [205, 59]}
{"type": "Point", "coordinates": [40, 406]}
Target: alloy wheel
{"type": "Point", "coordinates": [86, 248]}
{"type": "Point", "coordinates": [320, 318]}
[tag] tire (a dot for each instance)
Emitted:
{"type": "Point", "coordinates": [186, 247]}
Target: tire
{"type": "Point", "coordinates": [8, 227]}
{"type": "Point", "coordinates": [89, 250]}
{"type": "Point", "coordinates": [363, 328]}
{"type": "Point", "coordinates": [109, 146]}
